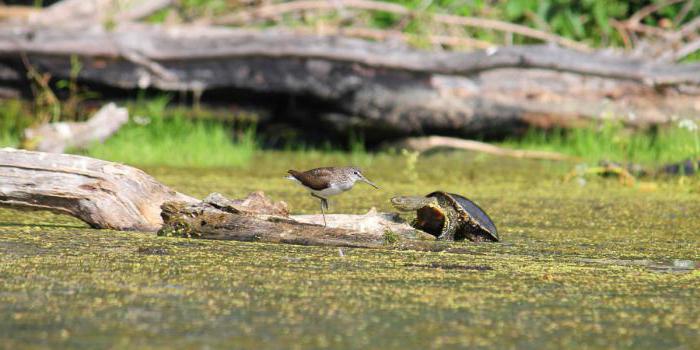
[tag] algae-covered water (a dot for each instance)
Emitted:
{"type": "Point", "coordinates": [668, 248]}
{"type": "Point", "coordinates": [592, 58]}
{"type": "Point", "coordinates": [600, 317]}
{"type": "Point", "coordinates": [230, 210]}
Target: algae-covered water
{"type": "Point", "coordinates": [588, 263]}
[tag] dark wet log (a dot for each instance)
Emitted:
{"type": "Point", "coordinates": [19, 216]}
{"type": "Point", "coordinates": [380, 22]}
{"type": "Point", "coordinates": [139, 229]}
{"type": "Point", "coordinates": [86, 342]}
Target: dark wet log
{"type": "Point", "coordinates": [56, 137]}
{"type": "Point", "coordinates": [103, 194]}
{"type": "Point", "coordinates": [369, 85]}
{"type": "Point", "coordinates": [258, 219]}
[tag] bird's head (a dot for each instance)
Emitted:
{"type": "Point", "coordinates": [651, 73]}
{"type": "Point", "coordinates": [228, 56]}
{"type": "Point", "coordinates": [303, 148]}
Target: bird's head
{"type": "Point", "coordinates": [356, 175]}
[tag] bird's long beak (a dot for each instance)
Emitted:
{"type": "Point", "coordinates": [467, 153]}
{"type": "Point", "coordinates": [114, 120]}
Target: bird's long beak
{"type": "Point", "coordinates": [364, 179]}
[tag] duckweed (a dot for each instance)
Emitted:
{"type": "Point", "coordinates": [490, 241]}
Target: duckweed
{"type": "Point", "coordinates": [574, 269]}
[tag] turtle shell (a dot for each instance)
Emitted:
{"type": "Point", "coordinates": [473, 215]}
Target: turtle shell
{"type": "Point", "coordinates": [471, 213]}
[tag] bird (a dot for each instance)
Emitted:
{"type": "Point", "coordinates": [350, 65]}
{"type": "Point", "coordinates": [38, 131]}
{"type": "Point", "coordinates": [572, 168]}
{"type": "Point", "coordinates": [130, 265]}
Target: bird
{"type": "Point", "coordinates": [328, 181]}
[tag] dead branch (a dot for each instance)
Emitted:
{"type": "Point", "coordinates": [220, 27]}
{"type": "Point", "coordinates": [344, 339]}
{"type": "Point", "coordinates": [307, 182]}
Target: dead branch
{"type": "Point", "coordinates": [103, 194]}
{"type": "Point", "coordinates": [649, 9]}
{"type": "Point", "coordinates": [397, 89]}
{"type": "Point", "coordinates": [686, 50]}
{"type": "Point", "coordinates": [383, 35]}
{"type": "Point", "coordinates": [56, 137]}
{"type": "Point", "coordinates": [272, 11]}
{"type": "Point", "coordinates": [80, 13]}
{"type": "Point", "coordinates": [689, 28]}
{"type": "Point", "coordinates": [114, 196]}
{"type": "Point", "coordinates": [422, 144]}
{"type": "Point", "coordinates": [17, 12]}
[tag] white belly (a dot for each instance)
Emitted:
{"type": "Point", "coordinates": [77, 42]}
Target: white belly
{"type": "Point", "coordinates": [332, 191]}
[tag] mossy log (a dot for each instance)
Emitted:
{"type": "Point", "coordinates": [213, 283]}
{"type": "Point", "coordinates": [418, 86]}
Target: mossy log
{"type": "Point", "coordinates": [258, 219]}
{"type": "Point", "coordinates": [354, 84]}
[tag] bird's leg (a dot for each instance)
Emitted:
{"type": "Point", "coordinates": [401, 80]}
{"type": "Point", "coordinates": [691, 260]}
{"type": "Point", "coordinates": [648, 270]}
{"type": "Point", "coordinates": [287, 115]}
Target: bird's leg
{"type": "Point", "coordinates": [324, 204]}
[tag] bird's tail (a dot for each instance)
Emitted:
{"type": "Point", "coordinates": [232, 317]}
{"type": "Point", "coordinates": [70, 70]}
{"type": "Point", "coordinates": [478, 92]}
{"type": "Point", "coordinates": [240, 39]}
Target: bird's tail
{"type": "Point", "coordinates": [291, 175]}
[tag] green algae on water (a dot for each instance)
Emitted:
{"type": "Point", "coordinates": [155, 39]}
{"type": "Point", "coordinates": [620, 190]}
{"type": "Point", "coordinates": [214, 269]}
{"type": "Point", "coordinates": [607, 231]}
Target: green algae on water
{"type": "Point", "coordinates": [578, 267]}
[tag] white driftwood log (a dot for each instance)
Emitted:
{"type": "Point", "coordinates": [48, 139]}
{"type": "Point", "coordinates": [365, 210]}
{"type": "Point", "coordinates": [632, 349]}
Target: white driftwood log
{"type": "Point", "coordinates": [115, 196]}
{"type": "Point", "coordinates": [57, 137]}
{"type": "Point", "coordinates": [103, 194]}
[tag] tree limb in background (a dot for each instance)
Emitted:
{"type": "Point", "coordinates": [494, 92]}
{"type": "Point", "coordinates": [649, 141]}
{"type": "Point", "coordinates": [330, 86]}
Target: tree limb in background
{"type": "Point", "coordinates": [396, 89]}
{"type": "Point", "coordinates": [649, 9]}
{"type": "Point", "coordinates": [426, 143]}
{"type": "Point", "coordinates": [272, 11]}
{"type": "Point", "coordinates": [85, 12]}
{"type": "Point", "coordinates": [383, 35]}
{"type": "Point", "coordinates": [57, 137]}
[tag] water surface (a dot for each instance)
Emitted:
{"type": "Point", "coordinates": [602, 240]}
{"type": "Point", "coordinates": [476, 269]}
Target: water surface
{"type": "Point", "coordinates": [598, 265]}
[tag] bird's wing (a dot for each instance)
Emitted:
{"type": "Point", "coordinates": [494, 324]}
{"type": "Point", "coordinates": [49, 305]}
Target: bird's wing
{"type": "Point", "coordinates": [316, 179]}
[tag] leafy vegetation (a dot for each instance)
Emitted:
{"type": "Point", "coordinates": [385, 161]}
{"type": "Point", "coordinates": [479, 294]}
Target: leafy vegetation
{"type": "Point", "coordinates": [590, 21]}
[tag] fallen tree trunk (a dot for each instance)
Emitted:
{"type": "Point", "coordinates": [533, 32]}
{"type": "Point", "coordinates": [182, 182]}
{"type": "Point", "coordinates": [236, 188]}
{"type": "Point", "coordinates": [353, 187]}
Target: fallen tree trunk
{"type": "Point", "coordinates": [57, 137]}
{"type": "Point", "coordinates": [258, 219]}
{"type": "Point", "coordinates": [115, 196]}
{"type": "Point", "coordinates": [366, 85]}
{"type": "Point", "coordinates": [103, 194]}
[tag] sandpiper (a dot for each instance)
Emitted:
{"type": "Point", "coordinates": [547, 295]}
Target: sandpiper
{"type": "Point", "coordinates": [328, 181]}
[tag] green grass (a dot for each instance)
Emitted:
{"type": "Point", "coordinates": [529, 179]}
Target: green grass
{"type": "Point", "coordinates": [159, 134]}
{"type": "Point", "coordinates": [611, 141]}
{"type": "Point", "coordinates": [169, 137]}
{"type": "Point", "coordinates": [14, 118]}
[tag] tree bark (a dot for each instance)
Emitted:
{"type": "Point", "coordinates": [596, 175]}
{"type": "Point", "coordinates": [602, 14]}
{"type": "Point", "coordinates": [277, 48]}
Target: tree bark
{"type": "Point", "coordinates": [365, 85]}
{"type": "Point", "coordinates": [102, 194]}
{"type": "Point", "coordinates": [114, 196]}
{"type": "Point", "coordinates": [258, 219]}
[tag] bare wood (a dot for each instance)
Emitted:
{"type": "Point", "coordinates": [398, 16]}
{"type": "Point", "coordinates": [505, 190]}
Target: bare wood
{"type": "Point", "coordinates": [271, 11]}
{"type": "Point", "coordinates": [210, 219]}
{"type": "Point", "coordinates": [56, 137]}
{"type": "Point", "coordinates": [383, 35]}
{"type": "Point", "coordinates": [689, 28]}
{"type": "Point", "coordinates": [103, 194]}
{"type": "Point", "coordinates": [80, 13]}
{"type": "Point", "coordinates": [189, 43]}
{"type": "Point", "coordinates": [114, 196]}
{"type": "Point", "coordinates": [17, 12]}
{"type": "Point", "coordinates": [409, 92]}
{"type": "Point", "coordinates": [511, 28]}
{"type": "Point", "coordinates": [422, 144]}
{"type": "Point", "coordinates": [649, 9]}
{"type": "Point", "coordinates": [687, 49]}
